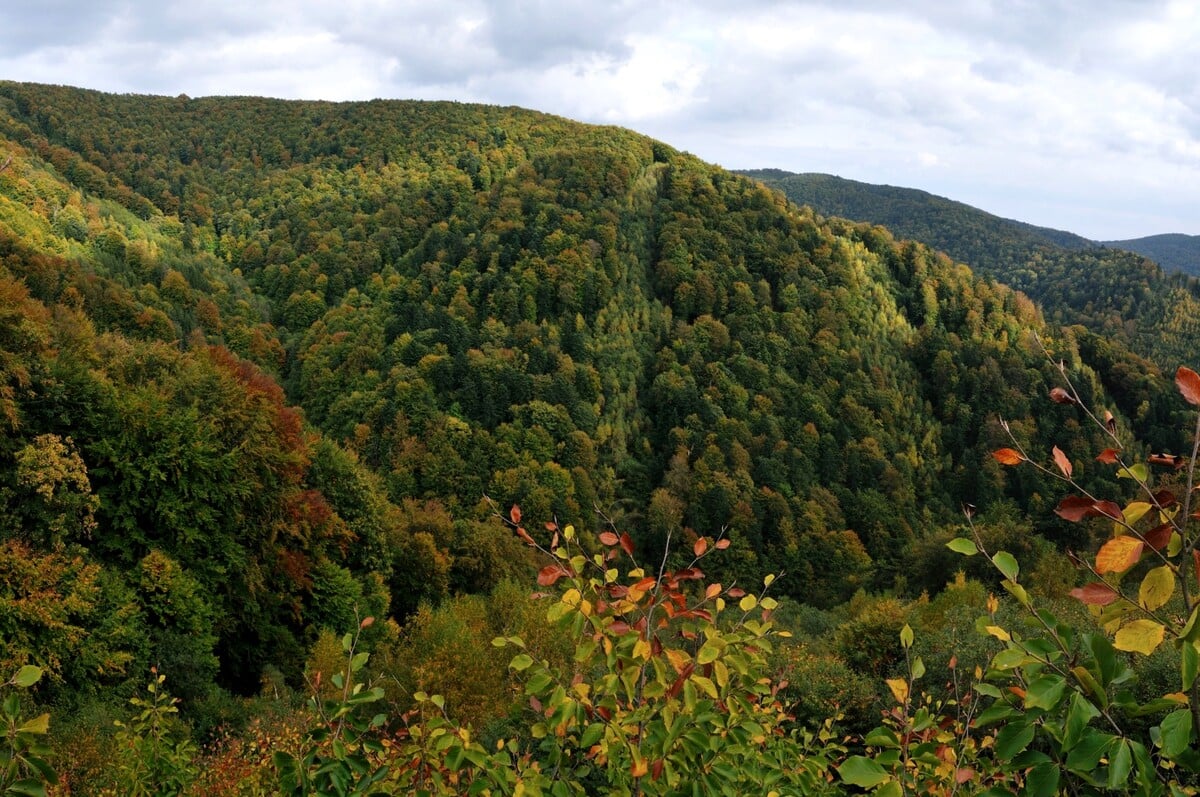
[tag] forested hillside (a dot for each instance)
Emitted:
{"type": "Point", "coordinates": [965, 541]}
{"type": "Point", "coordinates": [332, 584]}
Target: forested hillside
{"type": "Point", "coordinates": [1116, 293]}
{"type": "Point", "coordinates": [268, 367]}
{"type": "Point", "coordinates": [1173, 251]}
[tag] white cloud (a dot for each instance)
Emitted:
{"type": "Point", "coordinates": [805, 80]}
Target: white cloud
{"type": "Point", "coordinates": [1082, 114]}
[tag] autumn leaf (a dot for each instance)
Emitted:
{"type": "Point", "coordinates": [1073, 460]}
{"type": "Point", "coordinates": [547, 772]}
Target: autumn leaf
{"type": "Point", "coordinates": [1110, 423]}
{"type": "Point", "coordinates": [1188, 382]}
{"type": "Point", "coordinates": [550, 574]}
{"type": "Point", "coordinates": [1008, 456]}
{"type": "Point", "coordinates": [1170, 460]}
{"type": "Point", "coordinates": [1095, 594]}
{"type": "Point", "coordinates": [1108, 456]}
{"type": "Point", "coordinates": [1119, 554]}
{"type": "Point", "coordinates": [700, 547]}
{"type": "Point", "coordinates": [515, 514]}
{"type": "Point", "coordinates": [627, 543]}
{"type": "Point", "coordinates": [1157, 588]}
{"type": "Point", "coordinates": [1158, 537]}
{"type": "Point", "coordinates": [722, 544]}
{"type": "Point", "coordinates": [1060, 459]}
{"type": "Point", "coordinates": [1060, 396]}
{"type": "Point", "coordinates": [608, 538]}
{"type": "Point", "coordinates": [524, 535]}
{"type": "Point", "coordinates": [1140, 636]}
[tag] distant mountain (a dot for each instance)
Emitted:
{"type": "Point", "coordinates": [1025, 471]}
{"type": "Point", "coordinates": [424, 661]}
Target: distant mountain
{"type": "Point", "coordinates": [1119, 293]}
{"type": "Point", "coordinates": [1172, 251]}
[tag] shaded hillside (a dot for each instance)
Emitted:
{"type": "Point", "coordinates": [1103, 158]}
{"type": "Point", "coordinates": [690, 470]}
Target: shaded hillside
{"type": "Point", "coordinates": [470, 302]}
{"type": "Point", "coordinates": [1116, 293]}
{"type": "Point", "coordinates": [1173, 251]}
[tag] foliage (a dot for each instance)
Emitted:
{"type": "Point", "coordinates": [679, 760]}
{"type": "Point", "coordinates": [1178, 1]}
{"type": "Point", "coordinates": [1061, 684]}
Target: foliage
{"type": "Point", "coordinates": [23, 766]}
{"type": "Point", "coordinates": [155, 756]}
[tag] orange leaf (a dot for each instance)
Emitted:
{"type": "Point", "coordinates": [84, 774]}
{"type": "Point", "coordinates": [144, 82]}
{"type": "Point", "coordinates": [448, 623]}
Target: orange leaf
{"type": "Point", "coordinates": [1108, 456]}
{"type": "Point", "coordinates": [524, 535]}
{"type": "Point", "coordinates": [1188, 382]}
{"type": "Point", "coordinates": [1119, 554]}
{"type": "Point", "coordinates": [1170, 460]}
{"type": "Point", "coordinates": [963, 775]}
{"type": "Point", "coordinates": [1060, 396]}
{"type": "Point", "coordinates": [638, 768]}
{"type": "Point", "coordinates": [608, 538]}
{"type": "Point", "coordinates": [1060, 459]}
{"type": "Point", "coordinates": [1110, 422]}
{"type": "Point", "coordinates": [515, 513]}
{"type": "Point", "coordinates": [722, 544]}
{"type": "Point", "coordinates": [550, 574]}
{"type": "Point", "coordinates": [627, 543]}
{"type": "Point", "coordinates": [713, 591]}
{"type": "Point", "coordinates": [700, 547]}
{"type": "Point", "coordinates": [1095, 594]}
{"type": "Point", "coordinates": [1008, 456]}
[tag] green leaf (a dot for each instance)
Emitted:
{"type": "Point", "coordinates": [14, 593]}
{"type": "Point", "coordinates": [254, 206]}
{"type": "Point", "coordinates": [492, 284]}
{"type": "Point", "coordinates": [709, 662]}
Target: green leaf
{"type": "Point", "coordinates": [1082, 712]}
{"type": "Point", "coordinates": [39, 725]}
{"type": "Point", "coordinates": [1045, 692]}
{"type": "Point", "coordinates": [1176, 732]}
{"type": "Point", "coordinates": [1085, 756]}
{"type": "Point", "coordinates": [1120, 762]}
{"type": "Point", "coordinates": [906, 636]}
{"type": "Point", "coordinates": [1189, 663]}
{"type": "Point", "coordinates": [27, 676]}
{"type": "Point", "coordinates": [1006, 564]}
{"type": "Point", "coordinates": [1012, 739]}
{"type": "Point", "coordinates": [27, 788]}
{"type": "Point", "coordinates": [964, 546]}
{"type": "Point", "coordinates": [1139, 472]}
{"type": "Point", "coordinates": [861, 771]}
{"type": "Point", "coordinates": [1042, 780]}
{"type": "Point", "coordinates": [521, 662]}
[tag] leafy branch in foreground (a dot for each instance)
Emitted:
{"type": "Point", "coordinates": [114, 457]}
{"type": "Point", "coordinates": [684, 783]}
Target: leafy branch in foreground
{"type": "Point", "coordinates": [23, 751]}
{"type": "Point", "coordinates": [1070, 689]}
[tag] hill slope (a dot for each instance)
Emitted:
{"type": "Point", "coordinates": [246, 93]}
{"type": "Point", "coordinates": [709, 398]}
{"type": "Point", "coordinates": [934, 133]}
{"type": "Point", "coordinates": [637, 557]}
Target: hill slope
{"type": "Point", "coordinates": [1173, 251]}
{"type": "Point", "coordinates": [1120, 294]}
{"type": "Point", "coordinates": [469, 301]}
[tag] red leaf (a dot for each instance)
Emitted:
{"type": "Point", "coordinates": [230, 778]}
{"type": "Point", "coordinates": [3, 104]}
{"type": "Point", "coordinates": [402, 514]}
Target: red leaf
{"type": "Point", "coordinates": [1188, 382]}
{"type": "Point", "coordinates": [608, 538]}
{"type": "Point", "coordinates": [515, 514]}
{"type": "Point", "coordinates": [1060, 396]}
{"type": "Point", "coordinates": [656, 769]}
{"type": "Point", "coordinates": [963, 775]}
{"type": "Point", "coordinates": [550, 574]}
{"type": "Point", "coordinates": [700, 547]}
{"type": "Point", "coordinates": [1075, 508]}
{"type": "Point", "coordinates": [1095, 594]}
{"type": "Point", "coordinates": [619, 627]}
{"type": "Point", "coordinates": [1165, 498]}
{"type": "Point", "coordinates": [1108, 456]}
{"type": "Point", "coordinates": [1060, 459]}
{"type": "Point", "coordinates": [627, 543]}
{"type": "Point", "coordinates": [1008, 456]}
{"type": "Point", "coordinates": [736, 592]}
{"type": "Point", "coordinates": [551, 525]}
{"type": "Point", "coordinates": [1158, 537]}
{"type": "Point", "coordinates": [722, 544]}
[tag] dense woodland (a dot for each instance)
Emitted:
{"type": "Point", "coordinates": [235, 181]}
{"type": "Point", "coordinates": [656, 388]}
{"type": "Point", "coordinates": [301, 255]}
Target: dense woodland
{"type": "Point", "coordinates": [268, 368]}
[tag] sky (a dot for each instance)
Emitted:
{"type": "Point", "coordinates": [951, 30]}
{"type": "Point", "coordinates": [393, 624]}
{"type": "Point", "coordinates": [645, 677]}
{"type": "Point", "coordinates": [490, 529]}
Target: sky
{"type": "Point", "coordinates": [1081, 115]}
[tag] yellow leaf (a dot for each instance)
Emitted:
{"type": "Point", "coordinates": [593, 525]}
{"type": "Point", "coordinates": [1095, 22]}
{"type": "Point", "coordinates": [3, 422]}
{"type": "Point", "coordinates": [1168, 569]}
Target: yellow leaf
{"type": "Point", "coordinates": [1134, 512]}
{"type": "Point", "coordinates": [1140, 636]}
{"type": "Point", "coordinates": [641, 649]}
{"type": "Point", "coordinates": [999, 633]}
{"type": "Point", "coordinates": [899, 688]}
{"type": "Point", "coordinates": [678, 658]}
{"type": "Point", "coordinates": [1157, 588]}
{"type": "Point", "coordinates": [1118, 554]}
{"type": "Point", "coordinates": [747, 603]}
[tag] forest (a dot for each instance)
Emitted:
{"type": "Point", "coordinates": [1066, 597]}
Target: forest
{"type": "Point", "coordinates": [410, 447]}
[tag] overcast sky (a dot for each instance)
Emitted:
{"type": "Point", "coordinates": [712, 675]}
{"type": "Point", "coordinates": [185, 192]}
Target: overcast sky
{"type": "Point", "coordinates": [1078, 114]}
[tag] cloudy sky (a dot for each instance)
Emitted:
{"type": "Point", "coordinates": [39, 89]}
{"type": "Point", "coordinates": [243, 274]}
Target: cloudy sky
{"type": "Point", "coordinates": [1077, 114]}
